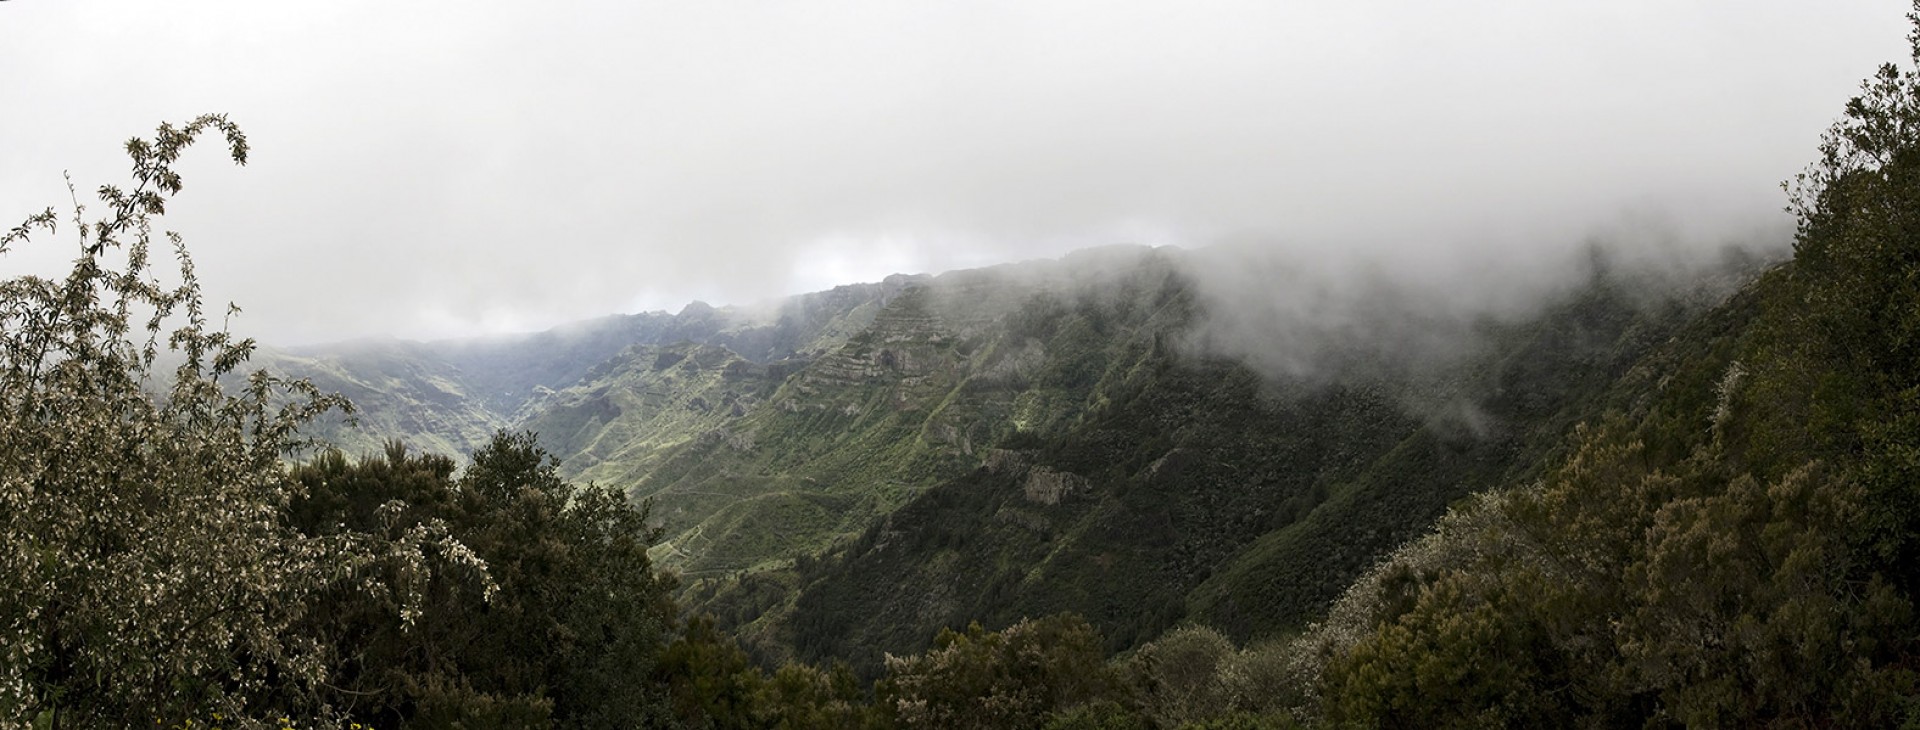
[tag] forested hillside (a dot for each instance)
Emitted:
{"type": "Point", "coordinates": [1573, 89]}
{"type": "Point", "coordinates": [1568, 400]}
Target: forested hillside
{"type": "Point", "coordinates": [1050, 436]}
{"type": "Point", "coordinates": [1195, 489]}
{"type": "Point", "coordinates": [1031, 495]}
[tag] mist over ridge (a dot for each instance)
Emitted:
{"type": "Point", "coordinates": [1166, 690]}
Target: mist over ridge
{"type": "Point", "coordinates": [1389, 313]}
{"type": "Point", "coordinates": [454, 169]}
{"type": "Point", "coordinates": [1302, 316]}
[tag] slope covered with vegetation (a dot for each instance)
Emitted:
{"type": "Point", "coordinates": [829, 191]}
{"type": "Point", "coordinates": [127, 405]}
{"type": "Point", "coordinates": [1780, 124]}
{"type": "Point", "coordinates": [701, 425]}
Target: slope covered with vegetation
{"type": "Point", "coordinates": [449, 396]}
{"type": "Point", "coordinates": [1187, 488]}
{"type": "Point", "coordinates": [1053, 436]}
{"type": "Point", "coordinates": [1736, 545]}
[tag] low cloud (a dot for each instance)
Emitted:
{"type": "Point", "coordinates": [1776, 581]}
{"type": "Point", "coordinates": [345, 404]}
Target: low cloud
{"type": "Point", "coordinates": [439, 168]}
{"type": "Point", "coordinates": [1402, 315]}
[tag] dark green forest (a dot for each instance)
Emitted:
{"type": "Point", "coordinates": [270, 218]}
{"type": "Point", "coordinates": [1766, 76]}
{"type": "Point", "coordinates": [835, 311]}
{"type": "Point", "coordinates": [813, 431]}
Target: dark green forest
{"type": "Point", "coordinates": [1013, 497]}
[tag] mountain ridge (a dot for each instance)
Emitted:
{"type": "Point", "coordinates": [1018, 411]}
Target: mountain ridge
{"type": "Point", "coordinates": [1069, 394]}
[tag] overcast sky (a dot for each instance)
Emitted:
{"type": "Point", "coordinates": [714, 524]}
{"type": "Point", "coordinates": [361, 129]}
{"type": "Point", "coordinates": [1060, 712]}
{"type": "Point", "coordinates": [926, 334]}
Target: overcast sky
{"type": "Point", "coordinates": [428, 169]}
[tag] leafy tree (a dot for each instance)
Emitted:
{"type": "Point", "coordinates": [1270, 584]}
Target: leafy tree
{"type": "Point", "coordinates": [1458, 662]}
{"type": "Point", "coordinates": [1179, 675]}
{"type": "Point", "coordinates": [799, 696]}
{"type": "Point", "coordinates": [146, 573]}
{"type": "Point", "coordinates": [1847, 314]}
{"type": "Point", "coordinates": [1016, 677]}
{"type": "Point", "coordinates": [571, 634]}
{"type": "Point", "coordinates": [711, 681]}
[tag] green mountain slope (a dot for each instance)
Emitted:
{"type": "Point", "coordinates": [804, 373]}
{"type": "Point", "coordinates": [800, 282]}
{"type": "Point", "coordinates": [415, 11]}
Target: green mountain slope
{"type": "Point", "coordinates": [1186, 488]}
{"type": "Point", "coordinates": [400, 390]}
{"type": "Point", "coordinates": [451, 395]}
{"type": "Point", "coordinates": [881, 461]}
{"type": "Point", "coordinates": [944, 370]}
